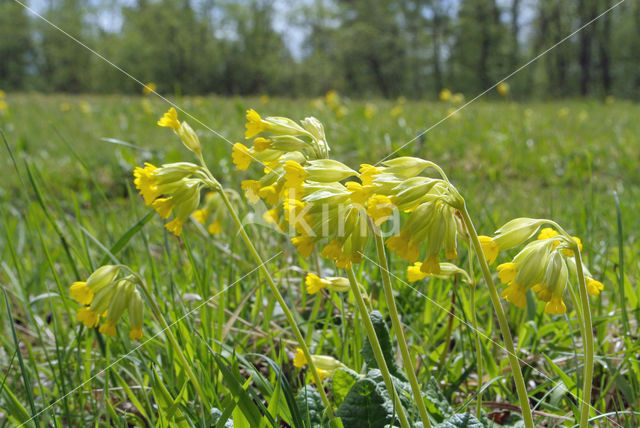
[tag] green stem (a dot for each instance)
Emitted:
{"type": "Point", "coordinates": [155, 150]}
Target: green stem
{"type": "Point", "coordinates": [274, 290]}
{"type": "Point", "coordinates": [375, 346]}
{"type": "Point", "coordinates": [174, 342]}
{"type": "Point", "coordinates": [476, 331]}
{"type": "Point", "coordinates": [502, 321]}
{"type": "Point", "coordinates": [587, 338]}
{"type": "Point", "coordinates": [397, 327]}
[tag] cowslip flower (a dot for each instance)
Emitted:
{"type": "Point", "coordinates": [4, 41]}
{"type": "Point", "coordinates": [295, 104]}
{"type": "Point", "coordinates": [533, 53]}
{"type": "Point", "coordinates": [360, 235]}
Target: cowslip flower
{"type": "Point", "coordinates": [512, 234]}
{"type": "Point", "coordinates": [104, 296]}
{"type": "Point", "coordinates": [447, 271]}
{"type": "Point", "coordinates": [168, 189]}
{"type": "Point", "coordinates": [324, 364]}
{"type": "Point", "coordinates": [314, 283]}
{"type": "Point", "coordinates": [183, 130]}
{"type": "Point", "coordinates": [149, 88]}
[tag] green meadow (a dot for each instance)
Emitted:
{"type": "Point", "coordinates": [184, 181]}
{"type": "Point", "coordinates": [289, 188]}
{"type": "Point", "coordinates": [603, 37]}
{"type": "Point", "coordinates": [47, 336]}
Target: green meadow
{"type": "Point", "coordinates": [68, 205]}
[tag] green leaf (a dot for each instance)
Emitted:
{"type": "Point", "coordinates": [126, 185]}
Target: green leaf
{"type": "Point", "coordinates": [310, 405]}
{"type": "Point", "coordinates": [366, 406]}
{"type": "Point", "coordinates": [382, 332]}
{"type": "Point", "coordinates": [246, 406]}
{"type": "Point", "coordinates": [461, 420]}
{"type": "Point", "coordinates": [436, 402]}
{"type": "Point", "coordinates": [341, 383]}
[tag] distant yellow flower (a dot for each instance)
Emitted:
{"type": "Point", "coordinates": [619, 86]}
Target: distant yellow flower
{"type": "Point", "coordinates": [170, 120]}
{"type": "Point", "coordinates": [264, 99]}
{"type": "Point", "coordinates": [457, 98]}
{"type": "Point", "coordinates": [201, 215]}
{"type": "Point", "coordinates": [241, 156]}
{"type": "Point", "coordinates": [215, 228]}
{"type": "Point", "coordinates": [370, 110]}
{"type": "Point", "coordinates": [563, 112]}
{"type": "Point", "coordinates": [149, 88]}
{"type": "Point", "coordinates": [65, 107]}
{"type": "Point", "coordinates": [3, 105]}
{"type": "Point", "coordinates": [445, 95]}
{"type": "Point", "coordinates": [2, 93]}
{"type": "Point", "coordinates": [299, 359]}
{"type": "Point", "coordinates": [254, 125]}
{"type": "Point", "coordinates": [396, 111]}
{"type": "Point", "coordinates": [503, 88]}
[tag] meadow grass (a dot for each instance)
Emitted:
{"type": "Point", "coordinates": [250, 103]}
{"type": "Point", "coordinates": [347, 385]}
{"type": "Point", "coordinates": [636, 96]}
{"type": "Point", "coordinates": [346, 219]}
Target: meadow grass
{"type": "Point", "coordinates": [68, 205]}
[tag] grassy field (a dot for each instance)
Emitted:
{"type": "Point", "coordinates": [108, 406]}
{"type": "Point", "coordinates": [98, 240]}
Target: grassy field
{"type": "Point", "coordinates": [67, 198]}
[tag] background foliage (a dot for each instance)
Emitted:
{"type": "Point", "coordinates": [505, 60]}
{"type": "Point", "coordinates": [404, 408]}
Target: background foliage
{"type": "Point", "coordinates": [413, 47]}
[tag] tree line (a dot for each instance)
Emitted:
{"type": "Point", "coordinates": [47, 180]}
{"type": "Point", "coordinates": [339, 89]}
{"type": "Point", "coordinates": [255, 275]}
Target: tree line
{"type": "Point", "coordinates": [381, 48]}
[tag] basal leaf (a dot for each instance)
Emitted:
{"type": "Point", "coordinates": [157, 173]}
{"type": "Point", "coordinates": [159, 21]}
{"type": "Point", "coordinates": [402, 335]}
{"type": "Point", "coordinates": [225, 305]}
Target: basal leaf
{"type": "Point", "coordinates": [382, 332]}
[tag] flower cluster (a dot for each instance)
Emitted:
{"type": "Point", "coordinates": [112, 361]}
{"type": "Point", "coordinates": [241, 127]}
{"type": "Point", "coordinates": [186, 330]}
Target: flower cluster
{"type": "Point", "coordinates": [543, 265]}
{"type": "Point", "coordinates": [170, 189]}
{"type": "Point", "coordinates": [104, 295]}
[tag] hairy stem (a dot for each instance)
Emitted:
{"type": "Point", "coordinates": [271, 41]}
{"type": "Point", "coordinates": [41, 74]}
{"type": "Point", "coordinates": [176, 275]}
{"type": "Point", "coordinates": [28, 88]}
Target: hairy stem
{"type": "Point", "coordinates": [375, 346]}
{"type": "Point", "coordinates": [502, 321]}
{"type": "Point", "coordinates": [587, 338]}
{"type": "Point", "coordinates": [476, 333]}
{"type": "Point", "coordinates": [397, 328]}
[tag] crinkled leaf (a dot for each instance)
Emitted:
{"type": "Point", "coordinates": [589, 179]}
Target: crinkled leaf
{"type": "Point", "coordinates": [366, 406]}
{"type": "Point", "coordinates": [436, 402]}
{"type": "Point", "coordinates": [461, 420]}
{"type": "Point", "coordinates": [310, 406]}
{"type": "Point", "coordinates": [382, 332]}
{"type": "Point", "coordinates": [403, 388]}
{"type": "Point", "coordinates": [341, 382]}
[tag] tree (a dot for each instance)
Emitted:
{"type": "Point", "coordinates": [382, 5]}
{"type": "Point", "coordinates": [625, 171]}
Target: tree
{"type": "Point", "coordinates": [15, 45]}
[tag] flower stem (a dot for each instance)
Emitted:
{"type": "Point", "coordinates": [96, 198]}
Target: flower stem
{"type": "Point", "coordinates": [174, 343]}
{"type": "Point", "coordinates": [587, 338]}
{"type": "Point", "coordinates": [476, 335]}
{"type": "Point", "coordinates": [375, 346]}
{"type": "Point", "coordinates": [397, 327]}
{"type": "Point", "coordinates": [502, 321]}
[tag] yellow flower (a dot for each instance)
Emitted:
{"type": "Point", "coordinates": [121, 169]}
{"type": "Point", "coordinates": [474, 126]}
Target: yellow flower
{"type": "Point", "coordinates": [261, 144]}
{"type": "Point", "coordinates": [401, 245]}
{"type": "Point", "coordinates": [503, 88]}
{"type": "Point", "coordinates": [264, 99]}
{"type": "Point", "coordinates": [414, 273]}
{"type": "Point", "coordinates": [333, 250]}
{"type": "Point", "coordinates": [201, 215]}
{"type": "Point", "coordinates": [135, 333]}
{"type": "Point", "coordinates": [367, 173]}
{"type": "Point", "coordinates": [359, 193]}
{"type": "Point", "coordinates": [88, 317]}
{"type": "Point", "coordinates": [251, 189]}
{"type": "Point", "coordinates": [163, 206]}
{"type": "Point", "coordinates": [65, 107]}
{"type": "Point", "coordinates": [108, 328]}
{"type": "Point", "coordinates": [304, 244]}
{"type": "Point", "coordinates": [3, 105]}
{"type": "Point", "coordinates": [271, 216]}
{"type": "Point", "coordinates": [445, 95]}
{"type": "Point", "coordinates": [170, 120]}
{"type": "Point", "coordinates": [515, 294]}
{"type": "Point", "coordinates": [2, 93]}
{"type": "Point", "coordinates": [594, 287]}
{"type": "Point", "coordinates": [555, 306]}
{"type": "Point", "coordinates": [431, 265]}
{"type": "Point", "coordinates": [369, 110]}
{"type": "Point", "coordinates": [241, 156]}
{"type": "Point", "coordinates": [379, 208]}
{"type": "Point", "coordinates": [270, 194]}
{"type": "Point", "coordinates": [314, 283]}
{"type": "Point", "coordinates": [299, 359]}
{"type": "Point", "coordinates": [507, 272]}
{"type": "Point", "coordinates": [294, 174]}
{"type": "Point", "coordinates": [149, 88]}
{"type": "Point", "coordinates": [146, 183]}
{"type": "Point", "coordinates": [254, 125]}
{"type": "Point", "coordinates": [81, 292]}
{"type": "Point", "coordinates": [175, 226]}
{"type": "Point", "coordinates": [549, 232]}
{"type": "Point", "coordinates": [215, 228]}
{"type": "Point", "coordinates": [457, 98]}
{"type": "Point", "coordinates": [489, 248]}
{"type": "Point", "coordinates": [396, 111]}
{"type": "Point", "coordinates": [322, 374]}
